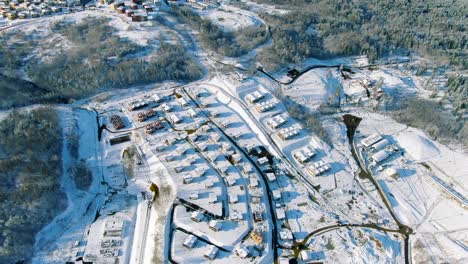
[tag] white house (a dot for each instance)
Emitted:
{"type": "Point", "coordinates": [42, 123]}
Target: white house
{"type": "Point", "coordinates": [242, 251]}
{"type": "Point", "coordinates": [211, 252]}
{"type": "Point", "coordinates": [196, 216]}
{"type": "Point", "coordinates": [190, 241]}
{"type": "Point", "coordinates": [371, 140]}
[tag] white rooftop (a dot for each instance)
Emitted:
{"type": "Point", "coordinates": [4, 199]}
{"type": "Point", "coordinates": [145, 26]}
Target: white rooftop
{"type": "Point", "coordinates": [190, 241]}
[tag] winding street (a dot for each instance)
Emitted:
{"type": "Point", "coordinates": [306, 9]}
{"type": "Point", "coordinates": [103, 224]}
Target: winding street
{"type": "Point", "coordinates": [403, 229]}
{"type": "Point", "coordinates": [352, 122]}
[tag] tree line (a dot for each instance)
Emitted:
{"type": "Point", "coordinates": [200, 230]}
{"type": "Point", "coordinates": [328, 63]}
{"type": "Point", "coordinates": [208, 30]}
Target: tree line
{"type": "Point", "coordinates": [211, 36]}
{"type": "Point", "coordinates": [97, 60]}
{"type": "Point", "coordinates": [432, 118]}
{"type": "Point", "coordinates": [378, 28]}
{"type": "Point", "coordinates": [30, 170]}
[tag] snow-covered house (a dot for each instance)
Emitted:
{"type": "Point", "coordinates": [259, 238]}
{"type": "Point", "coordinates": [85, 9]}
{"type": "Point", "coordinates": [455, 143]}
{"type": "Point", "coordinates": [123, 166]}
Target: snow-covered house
{"type": "Point", "coordinates": [113, 227]}
{"type": "Point", "coordinates": [209, 184]}
{"type": "Point", "coordinates": [193, 195]}
{"type": "Point", "coordinates": [371, 140]}
{"type": "Point", "coordinates": [262, 161]}
{"type": "Point", "coordinates": [276, 122]}
{"type": "Point", "coordinates": [233, 199]}
{"type": "Point", "coordinates": [212, 198]}
{"type": "Point", "coordinates": [304, 154]}
{"type": "Point", "coordinates": [383, 154]}
{"type": "Point", "coordinates": [192, 113]}
{"type": "Point", "coordinates": [196, 216]}
{"type": "Point", "coordinates": [271, 176]}
{"type": "Point", "coordinates": [280, 213]}
{"type": "Point", "coordinates": [215, 225]}
{"type": "Point", "coordinates": [276, 194]}
{"type": "Point", "coordinates": [190, 241]}
{"type": "Point", "coordinates": [187, 179]}
{"type": "Point", "coordinates": [242, 251]}
{"type": "Point", "coordinates": [182, 101]}
{"type": "Point", "coordinates": [167, 107]}
{"type": "Point", "coordinates": [392, 172]}
{"type": "Point", "coordinates": [265, 106]}
{"type": "Point", "coordinates": [175, 118]}
{"type": "Point", "coordinates": [289, 132]}
{"type": "Point", "coordinates": [286, 234]}
{"type": "Point", "coordinates": [309, 256]}
{"type": "Point", "coordinates": [318, 168]}
{"type": "Point", "coordinates": [157, 98]}
{"type": "Point", "coordinates": [211, 252]}
{"type": "Point", "coordinates": [254, 97]}
{"type": "Point", "coordinates": [380, 145]}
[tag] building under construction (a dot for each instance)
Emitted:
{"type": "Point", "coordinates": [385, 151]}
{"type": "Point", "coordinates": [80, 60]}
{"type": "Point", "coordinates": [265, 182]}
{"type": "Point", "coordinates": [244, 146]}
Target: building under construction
{"type": "Point", "coordinates": [143, 116]}
{"type": "Point", "coordinates": [151, 128]}
{"type": "Point", "coordinates": [117, 122]}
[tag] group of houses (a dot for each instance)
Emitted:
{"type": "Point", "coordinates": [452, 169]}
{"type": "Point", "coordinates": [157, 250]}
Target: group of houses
{"type": "Point", "coordinates": [22, 9]}
{"type": "Point", "coordinates": [137, 10]}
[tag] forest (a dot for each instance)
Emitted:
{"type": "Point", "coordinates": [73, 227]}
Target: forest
{"type": "Point", "coordinates": [30, 169]}
{"type": "Point", "coordinates": [292, 43]}
{"type": "Point", "coordinates": [435, 29]}
{"type": "Point", "coordinates": [98, 60]}
{"type": "Point", "coordinates": [17, 92]}
{"type": "Point", "coordinates": [214, 38]}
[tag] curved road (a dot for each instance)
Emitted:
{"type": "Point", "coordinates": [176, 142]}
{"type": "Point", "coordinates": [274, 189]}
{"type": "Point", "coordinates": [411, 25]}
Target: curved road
{"type": "Point", "coordinates": [403, 229]}
{"type": "Point", "coordinates": [346, 68]}
{"type": "Point", "coordinates": [268, 193]}
{"type": "Point", "coordinates": [352, 122]}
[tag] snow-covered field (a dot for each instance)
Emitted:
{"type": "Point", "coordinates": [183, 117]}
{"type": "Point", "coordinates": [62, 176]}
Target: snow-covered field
{"type": "Point", "coordinates": [224, 156]}
{"type": "Point", "coordinates": [430, 193]}
{"type": "Point", "coordinates": [358, 246]}
{"type": "Point", "coordinates": [420, 200]}
{"type": "Point", "coordinates": [56, 241]}
{"type": "Point", "coordinates": [264, 7]}
{"type": "Point", "coordinates": [231, 18]}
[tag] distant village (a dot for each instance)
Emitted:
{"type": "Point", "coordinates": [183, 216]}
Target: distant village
{"type": "Point", "coordinates": [136, 10]}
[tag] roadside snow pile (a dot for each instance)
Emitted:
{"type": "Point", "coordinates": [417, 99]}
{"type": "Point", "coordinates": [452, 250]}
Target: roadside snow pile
{"type": "Point", "coordinates": [418, 145]}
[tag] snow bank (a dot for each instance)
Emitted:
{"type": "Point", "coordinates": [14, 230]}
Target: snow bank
{"type": "Point", "coordinates": [418, 145]}
{"type": "Point", "coordinates": [231, 20]}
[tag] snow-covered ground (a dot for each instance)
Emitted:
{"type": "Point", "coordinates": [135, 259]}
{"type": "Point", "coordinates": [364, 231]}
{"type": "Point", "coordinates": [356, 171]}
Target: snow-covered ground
{"type": "Point", "coordinates": [194, 164]}
{"type": "Point", "coordinates": [366, 206]}
{"type": "Point", "coordinates": [315, 87]}
{"type": "Point", "coordinates": [180, 158]}
{"type": "Point", "coordinates": [431, 174]}
{"type": "Point", "coordinates": [437, 214]}
{"type": "Point", "coordinates": [231, 18]}
{"type": "Point", "coordinates": [254, 6]}
{"type": "Point", "coordinates": [56, 241]}
{"type": "Point", "coordinates": [359, 245]}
